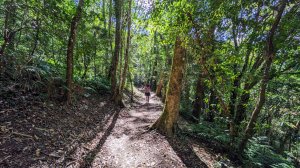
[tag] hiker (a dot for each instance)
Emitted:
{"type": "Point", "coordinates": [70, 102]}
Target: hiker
{"type": "Point", "coordinates": [147, 92]}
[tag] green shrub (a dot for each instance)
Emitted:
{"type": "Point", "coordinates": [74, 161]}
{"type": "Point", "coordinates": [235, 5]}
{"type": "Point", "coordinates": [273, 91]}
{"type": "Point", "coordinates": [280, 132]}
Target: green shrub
{"type": "Point", "coordinates": [261, 155]}
{"type": "Point", "coordinates": [216, 131]}
{"type": "Point", "coordinates": [98, 84]}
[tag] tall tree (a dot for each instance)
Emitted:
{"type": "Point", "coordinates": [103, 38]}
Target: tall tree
{"type": "Point", "coordinates": [126, 57]}
{"type": "Point", "coordinates": [269, 56]}
{"type": "Point", "coordinates": [206, 45]}
{"type": "Point", "coordinates": [166, 122]}
{"type": "Point", "coordinates": [70, 50]}
{"type": "Point", "coordinates": [37, 25]}
{"type": "Point", "coordinates": [9, 31]}
{"type": "Point", "coordinates": [115, 58]}
{"type": "Point", "coordinates": [109, 36]}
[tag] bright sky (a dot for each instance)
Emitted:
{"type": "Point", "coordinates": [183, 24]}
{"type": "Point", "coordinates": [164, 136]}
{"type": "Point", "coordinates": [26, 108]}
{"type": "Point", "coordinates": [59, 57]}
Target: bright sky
{"type": "Point", "coordinates": [145, 4]}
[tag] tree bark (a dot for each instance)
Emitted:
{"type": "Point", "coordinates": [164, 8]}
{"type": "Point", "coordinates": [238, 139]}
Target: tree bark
{"type": "Point", "coordinates": [115, 59]}
{"type": "Point", "coordinates": [122, 44]}
{"type": "Point", "coordinates": [36, 38]}
{"type": "Point", "coordinates": [153, 78]}
{"type": "Point", "coordinates": [86, 65]}
{"type": "Point", "coordinates": [199, 99]}
{"type": "Point", "coordinates": [126, 56]}
{"type": "Point", "coordinates": [212, 106]}
{"type": "Point", "coordinates": [166, 122]}
{"type": "Point", "coordinates": [131, 85]}
{"type": "Point", "coordinates": [71, 43]}
{"type": "Point", "coordinates": [236, 84]}
{"type": "Point", "coordinates": [160, 85]}
{"type": "Point", "coordinates": [95, 56]}
{"type": "Point", "coordinates": [109, 36]}
{"type": "Point", "coordinates": [270, 54]}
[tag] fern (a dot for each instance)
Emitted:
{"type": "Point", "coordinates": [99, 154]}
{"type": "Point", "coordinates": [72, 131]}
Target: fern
{"type": "Point", "coordinates": [261, 155]}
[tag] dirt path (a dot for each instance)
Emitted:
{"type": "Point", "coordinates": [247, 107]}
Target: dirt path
{"type": "Point", "coordinates": [92, 133]}
{"type": "Point", "coordinates": [128, 143]}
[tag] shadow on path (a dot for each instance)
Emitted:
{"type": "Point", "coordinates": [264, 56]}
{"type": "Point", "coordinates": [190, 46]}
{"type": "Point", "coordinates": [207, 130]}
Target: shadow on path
{"type": "Point", "coordinates": [89, 158]}
{"type": "Point", "coordinates": [185, 153]}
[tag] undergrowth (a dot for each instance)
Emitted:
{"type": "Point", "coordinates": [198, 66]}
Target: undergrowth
{"type": "Point", "coordinates": [262, 155]}
{"type": "Point", "coordinates": [257, 154]}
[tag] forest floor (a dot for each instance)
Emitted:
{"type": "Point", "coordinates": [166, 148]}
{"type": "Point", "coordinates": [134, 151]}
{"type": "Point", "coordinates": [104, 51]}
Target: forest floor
{"type": "Point", "coordinates": [90, 133]}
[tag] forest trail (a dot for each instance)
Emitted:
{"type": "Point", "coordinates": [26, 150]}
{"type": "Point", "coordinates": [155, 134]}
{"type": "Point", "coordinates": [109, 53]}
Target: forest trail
{"type": "Point", "coordinates": [93, 133]}
{"type": "Point", "coordinates": [128, 143]}
{"type": "Point", "coordinates": [232, 78]}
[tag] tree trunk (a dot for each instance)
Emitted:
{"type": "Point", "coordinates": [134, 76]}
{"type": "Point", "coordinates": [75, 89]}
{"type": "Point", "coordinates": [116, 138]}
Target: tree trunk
{"type": "Point", "coordinates": [126, 57]}
{"type": "Point", "coordinates": [95, 56]}
{"type": "Point", "coordinates": [240, 114]}
{"type": "Point", "coordinates": [8, 33]}
{"type": "Point", "coordinates": [270, 54]}
{"type": "Point", "coordinates": [71, 43]}
{"type": "Point", "coordinates": [36, 38]}
{"type": "Point", "coordinates": [207, 46]}
{"type": "Point", "coordinates": [86, 64]}
{"type": "Point", "coordinates": [131, 86]}
{"type": "Point", "coordinates": [115, 59]}
{"type": "Point", "coordinates": [122, 44]}
{"type": "Point", "coordinates": [199, 99]}
{"type": "Point", "coordinates": [166, 122]}
{"type": "Point", "coordinates": [109, 36]}
{"type": "Point", "coordinates": [185, 100]}
{"type": "Point", "coordinates": [212, 106]}
{"type": "Point", "coordinates": [160, 85]}
{"type": "Point", "coordinates": [153, 78]}
{"type": "Point", "coordinates": [234, 93]}
{"type": "Point", "coordinates": [103, 13]}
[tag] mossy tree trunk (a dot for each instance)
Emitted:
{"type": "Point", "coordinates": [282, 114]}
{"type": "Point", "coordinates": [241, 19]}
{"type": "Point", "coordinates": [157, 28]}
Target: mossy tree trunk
{"type": "Point", "coordinates": [115, 60]}
{"type": "Point", "coordinates": [166, 122]}
{"type": "Point", "coordinates": [71, 44]}
{"type": "Point", "coordinates": [126, 57]}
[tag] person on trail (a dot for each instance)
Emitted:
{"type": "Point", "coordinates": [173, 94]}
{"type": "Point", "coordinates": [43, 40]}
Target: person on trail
{"type": "Point", "coordinates": [147, 92]}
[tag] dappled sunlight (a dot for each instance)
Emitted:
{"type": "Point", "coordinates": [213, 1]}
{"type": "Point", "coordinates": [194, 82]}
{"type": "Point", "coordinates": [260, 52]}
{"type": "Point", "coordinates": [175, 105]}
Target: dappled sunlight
{"type": "Point", "coordinates": [149, 83]}
{"type": "Point", "coordinates": [91, 148]}
{"type": "Point", "coordinates": [130, 144]}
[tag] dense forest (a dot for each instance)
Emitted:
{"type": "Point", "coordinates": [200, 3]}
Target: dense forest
{"type": "Point", "coordinates": [230, 69]}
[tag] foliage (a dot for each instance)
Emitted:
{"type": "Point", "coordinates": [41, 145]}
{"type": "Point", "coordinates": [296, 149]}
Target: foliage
{"type": "Point", "coordinates": [261, 155]}
{"type": "Point", "coordinates": [215, 131]}
{"type": "Point", "coordinates": [100, 85]}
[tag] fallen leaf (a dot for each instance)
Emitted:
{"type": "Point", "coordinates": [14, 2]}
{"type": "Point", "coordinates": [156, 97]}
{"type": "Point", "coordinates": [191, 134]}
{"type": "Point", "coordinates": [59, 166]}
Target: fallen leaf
{"type": "Point", "coordinates": [38, 152]}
